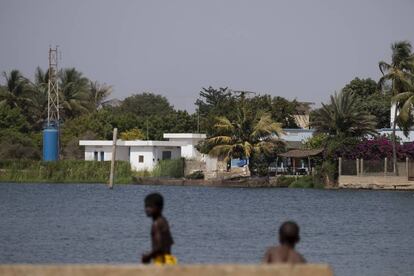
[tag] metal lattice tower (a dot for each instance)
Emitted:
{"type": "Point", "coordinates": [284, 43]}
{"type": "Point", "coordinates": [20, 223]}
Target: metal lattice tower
{"type": "Point", "coordinates": [53, 89]}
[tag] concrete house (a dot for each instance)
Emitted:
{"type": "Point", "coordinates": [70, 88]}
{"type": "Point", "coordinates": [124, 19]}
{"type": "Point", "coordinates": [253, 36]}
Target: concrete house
{"type": "Point", "coordinates": [144, 154]}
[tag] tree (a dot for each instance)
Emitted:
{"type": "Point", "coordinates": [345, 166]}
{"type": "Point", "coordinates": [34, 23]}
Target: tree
{"type": "Point", "coordinates": [39, 90]}
{"type": "Point", "coordinates": [283, 110]}
{"type": "Point", "coordinates": [243, 137]}
{"type": "Point", "coordinates": [98, 93]}
{"type": "Point", "coordinates": [15, 93]}
{"type": "Point", "coordinates": [11, 118]}
{"type": "Point", "coordinates": [146, 104]}
{"type": "Point", "coordinates": [132, 134]}
{"type": "Point", "coordinates": [372, 100]}
{"type": "Point", "coordinates": [398, 72]}
{"type": "Point", "coordinates": [74, 94]}
{"type": "Point", "coordinates": [213, 103]}
{"type": "Point", "coordinates": [342, 118]}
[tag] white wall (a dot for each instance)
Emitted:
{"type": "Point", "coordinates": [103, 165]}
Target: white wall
{"type": "Point", "coordinates": [297, 135]}
{"type": "Point", "coordinates": [398, 133]}
{"type": "Point", "coordinates": [121, 153]}
{"type": "Point", "coordinates": [151, 156]}
{"type": "Point", "coordinates": [188, 151]}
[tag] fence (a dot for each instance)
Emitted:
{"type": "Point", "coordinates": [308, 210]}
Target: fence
{"type": "Point", "coordinates": [383, 167]}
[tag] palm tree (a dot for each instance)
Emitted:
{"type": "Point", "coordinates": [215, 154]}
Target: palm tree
{"type": "Point", "coordinates": [398, 72]}
{"type": "Point", "coordinates": [74, 96]}
{"type": "Point", "coordinates": [14, 92]}
{"type": "Point", "coordinates": [98, 94]}
{"type": "Point", "coordinates": [342, 118]}
{"type": "Point", "coordinates": [247, 135]}
{"type": "Point", "coordinates": [39, 97]}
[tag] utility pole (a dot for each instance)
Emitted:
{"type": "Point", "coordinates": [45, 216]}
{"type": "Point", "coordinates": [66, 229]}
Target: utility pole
{"type": "Point", "coordinates": [147, 129]}
{"type": "Point", "coordinates": [112, 173]}
{"type": "Point", "coordinates": [198, 121]}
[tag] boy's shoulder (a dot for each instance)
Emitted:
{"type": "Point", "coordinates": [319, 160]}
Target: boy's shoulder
{"type": "Point", "coordinates": [160, 222]}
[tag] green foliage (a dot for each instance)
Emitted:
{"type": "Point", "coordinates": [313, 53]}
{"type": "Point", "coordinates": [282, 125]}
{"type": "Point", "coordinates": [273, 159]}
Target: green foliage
{"type": "Point", "coordinates": [306, 181]}
{"type": "Point", "coordinates": [195, 175]}
{"type": "Point", "coordinates": [371, 100]}
{"type": "Point", "coordinates": [12, 118]}
{"type": "Point", "coordinates": [144, 173]}
{"type": "Point", "coordinates": [63, 171]}
{"type": "Point", "coordinates": [133, 134]}
{"type": "Point", "coordinates": [247, 135]}
{"type": "Point", "coordinates": [169, 168]}
{"type": "Point", "coordinates": [16, 145]}
{"type": "Point", "coordinates": [317, 141]}
{"type": "Point", "coordinates": [222, 102]}
{"type": "Point", "coordinates": [283, 110]}
{"type": "Point", "coordinates": [146, 104]}
{"type": "Point", "coordinates": [342, 117]}
{"type": "Point", "coordinates": [284, 181]}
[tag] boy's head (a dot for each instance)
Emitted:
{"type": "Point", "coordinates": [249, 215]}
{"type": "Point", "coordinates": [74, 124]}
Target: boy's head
{"type": "Point", "coordinates": [289, 233]}
{"type": "Point", "coordinates": [153, 204]}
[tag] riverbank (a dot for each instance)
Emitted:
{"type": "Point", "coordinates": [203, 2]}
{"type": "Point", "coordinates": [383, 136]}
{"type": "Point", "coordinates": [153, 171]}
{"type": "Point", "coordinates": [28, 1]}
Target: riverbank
{"type": "Point", "coordinates": [242, 182]}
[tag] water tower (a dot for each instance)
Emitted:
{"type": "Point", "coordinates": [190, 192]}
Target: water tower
{"type": "Point", "coordinates": [51, 130]}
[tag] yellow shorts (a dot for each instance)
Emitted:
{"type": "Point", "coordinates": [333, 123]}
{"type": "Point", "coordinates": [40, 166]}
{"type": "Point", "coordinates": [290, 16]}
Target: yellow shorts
{"type": "Point", "coordinates": [166, 259]}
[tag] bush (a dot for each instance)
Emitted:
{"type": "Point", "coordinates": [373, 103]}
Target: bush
{"type": "Point", "coordinates": [307, 181]}
{"type": "Point", "coordinates": [302, 182]}
{"type": "Point", "coordinates": [284, 181]}
{"type": "Point", "coordinates": [169, 168]}
{"type": "Point", "coordinates": [195, 175]}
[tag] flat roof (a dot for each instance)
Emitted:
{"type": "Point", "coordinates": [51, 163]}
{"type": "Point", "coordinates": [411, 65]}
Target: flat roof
{"type": "Point", "coordinates": [185, 135]}
{"type": "Point", "coordinates": [132, 143]}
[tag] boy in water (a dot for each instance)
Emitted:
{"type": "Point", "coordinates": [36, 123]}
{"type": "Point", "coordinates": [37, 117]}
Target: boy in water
{"type": "Point", "coordinates": [161, 238]}
{"type": "Point", "coordinates": [285, 252]}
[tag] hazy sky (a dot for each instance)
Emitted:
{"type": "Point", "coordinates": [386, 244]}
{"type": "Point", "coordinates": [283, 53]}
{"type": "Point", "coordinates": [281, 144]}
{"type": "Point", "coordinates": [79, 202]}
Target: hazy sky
{"type": "Point", "coordinates": [295, 49]}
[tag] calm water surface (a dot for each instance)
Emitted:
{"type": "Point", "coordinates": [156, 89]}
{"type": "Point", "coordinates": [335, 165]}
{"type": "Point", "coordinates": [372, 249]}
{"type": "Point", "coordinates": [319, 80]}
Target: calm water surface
{"type": "Point", "coordinates": [356, 232]}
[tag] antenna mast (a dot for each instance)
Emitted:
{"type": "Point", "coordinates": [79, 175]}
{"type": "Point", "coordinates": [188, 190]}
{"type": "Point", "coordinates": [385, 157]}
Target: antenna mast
{"type": "Point", "coordinates": [53, 89]}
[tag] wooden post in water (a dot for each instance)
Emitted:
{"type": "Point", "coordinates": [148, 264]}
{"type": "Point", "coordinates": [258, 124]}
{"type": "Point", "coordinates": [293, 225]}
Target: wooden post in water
{"type": "Point", "coordinates": [112, 173]}
{"type": "Point", "coordinates": [385, 166]}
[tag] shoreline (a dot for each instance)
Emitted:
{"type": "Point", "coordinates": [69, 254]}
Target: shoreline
{"type": "Point", "coordinates": [259, 182]}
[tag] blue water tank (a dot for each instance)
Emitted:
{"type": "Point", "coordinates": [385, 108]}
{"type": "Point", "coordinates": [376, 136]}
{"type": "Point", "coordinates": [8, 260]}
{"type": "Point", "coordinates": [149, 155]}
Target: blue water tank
{"type": "Point", "coordinates": [50, 144]}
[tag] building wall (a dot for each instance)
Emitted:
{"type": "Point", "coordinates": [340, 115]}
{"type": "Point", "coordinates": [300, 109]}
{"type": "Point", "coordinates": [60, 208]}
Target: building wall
{"type": "Point", "coordinates": [297, 135]}
{"type": "Point", "coordinates": [121, 153]}
{"type": "Point", "coordinates": [300, 135]}
{"type": "Point", "coordinates": [188, 151]}
{"type": "Point", "coordinates": [398, 133]}
{"type": "Point", "coordinates": [150, 155]}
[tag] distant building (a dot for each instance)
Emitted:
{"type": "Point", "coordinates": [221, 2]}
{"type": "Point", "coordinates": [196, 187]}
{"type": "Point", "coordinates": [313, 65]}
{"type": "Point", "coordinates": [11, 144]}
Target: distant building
{"type": "Point", "coordinates": [302, 113]}
{"type": "Point", "coordinates": [295, 137]}
{"type": "Point", "coordinates": [143, 154]}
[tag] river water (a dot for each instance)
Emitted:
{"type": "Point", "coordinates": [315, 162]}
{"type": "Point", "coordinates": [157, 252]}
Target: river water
{"type": "Point", "coordinates": [356, 232]}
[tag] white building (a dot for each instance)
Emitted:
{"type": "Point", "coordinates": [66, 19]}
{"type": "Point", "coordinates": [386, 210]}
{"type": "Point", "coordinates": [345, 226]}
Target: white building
{"type": "Point", "coordinates": [144, 155]}
{"type": "Point", "coordinates": [301, 135]}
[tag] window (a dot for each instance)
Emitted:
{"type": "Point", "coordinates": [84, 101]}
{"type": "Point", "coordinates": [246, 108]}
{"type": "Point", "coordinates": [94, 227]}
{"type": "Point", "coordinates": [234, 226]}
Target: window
{"type": "Point", "coordinates": [140, 158]}
{"type": "Point", "coordinates": [102, 156]}
{"type": "Point", "coordinates": [95, 156]}
{"type": "Point", "coordinates": [166, 155]}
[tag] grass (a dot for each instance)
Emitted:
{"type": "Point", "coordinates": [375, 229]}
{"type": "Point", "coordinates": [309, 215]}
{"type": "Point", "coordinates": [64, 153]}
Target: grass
{"type": "Point", "coordinates": [64, 171]}
{"type": "Point", "coordinates": [169, 168]}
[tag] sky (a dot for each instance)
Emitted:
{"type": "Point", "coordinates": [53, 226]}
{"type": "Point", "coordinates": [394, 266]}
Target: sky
{"type": "Point", "coordinates": [295, 49]}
